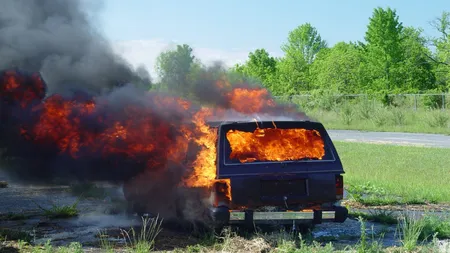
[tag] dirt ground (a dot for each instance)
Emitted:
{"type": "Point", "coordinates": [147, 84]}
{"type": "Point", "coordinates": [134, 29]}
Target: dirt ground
{"type": "Point", "coordinates": [104, 214]}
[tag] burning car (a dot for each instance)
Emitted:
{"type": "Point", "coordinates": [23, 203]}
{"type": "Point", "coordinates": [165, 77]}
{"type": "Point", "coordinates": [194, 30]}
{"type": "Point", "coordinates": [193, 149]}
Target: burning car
{"type": "Point", "coordinates": [283, 172]}
{"type": "Point", "coordinates": [202, 162]}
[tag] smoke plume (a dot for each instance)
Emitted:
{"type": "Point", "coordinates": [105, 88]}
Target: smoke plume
{"type": "Point", "coordinates": [70, 111]}
{"type": "Point", "coordinates": [57, 38]}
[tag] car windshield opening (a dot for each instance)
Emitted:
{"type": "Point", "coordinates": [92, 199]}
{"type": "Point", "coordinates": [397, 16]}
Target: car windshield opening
{"type": "Point", "coordinates": [273, 145]}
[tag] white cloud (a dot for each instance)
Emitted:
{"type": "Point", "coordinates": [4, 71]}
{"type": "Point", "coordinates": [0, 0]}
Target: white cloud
{"type": "Point", "coordinates": [144, 52]}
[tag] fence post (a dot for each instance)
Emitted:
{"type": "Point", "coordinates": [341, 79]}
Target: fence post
{"type": "Point", "coordinates": [415, 102]}
{"type": "Point", "coordinates": [443, 101]}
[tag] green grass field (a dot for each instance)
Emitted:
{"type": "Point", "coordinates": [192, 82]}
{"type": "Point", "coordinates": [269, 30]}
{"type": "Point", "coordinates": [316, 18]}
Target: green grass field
{"type": "Point", "coordinates": [415, 174]}
{"type": "Point", "coordinates": [387, 120]}
{"type": "Point", "coordinates": [372, 115]}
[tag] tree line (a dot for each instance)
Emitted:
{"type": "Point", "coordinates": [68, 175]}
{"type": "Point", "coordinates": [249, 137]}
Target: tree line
{"type": "Point", "coordinates": [392, 59]}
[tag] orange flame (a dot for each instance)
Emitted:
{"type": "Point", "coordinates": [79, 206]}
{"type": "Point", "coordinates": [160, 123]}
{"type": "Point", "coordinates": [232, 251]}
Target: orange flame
{"type": "Point", "coordinates": [246, 100]}
{"type": "Point", "coordinates": [222, 191]}
{"type": "Point", "coordinates": [275, 144]}
{"type": "Point", "coordinates": [205, 164]}
{"type": "Point", "coordinates": [150, 134]}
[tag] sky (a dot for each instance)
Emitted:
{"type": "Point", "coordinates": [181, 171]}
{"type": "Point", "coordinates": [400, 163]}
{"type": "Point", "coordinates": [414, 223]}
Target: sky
{"type": "Point", "coordinates": [228, 30]}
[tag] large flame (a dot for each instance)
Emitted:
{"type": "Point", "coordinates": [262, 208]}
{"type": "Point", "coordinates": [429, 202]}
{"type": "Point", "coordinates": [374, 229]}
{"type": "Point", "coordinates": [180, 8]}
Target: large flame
{"type": "Point", "coordinates": [275, 144]}
{"type": "Point", "coordinates": [148, 132]}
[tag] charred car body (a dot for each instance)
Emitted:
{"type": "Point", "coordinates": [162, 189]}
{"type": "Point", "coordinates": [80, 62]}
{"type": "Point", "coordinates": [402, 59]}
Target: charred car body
{"type": "Point", "coordinates": [283, 172]}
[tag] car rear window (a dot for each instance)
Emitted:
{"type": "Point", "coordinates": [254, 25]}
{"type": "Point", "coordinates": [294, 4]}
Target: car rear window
{"type": "Point", "coordinates": [268, 142]}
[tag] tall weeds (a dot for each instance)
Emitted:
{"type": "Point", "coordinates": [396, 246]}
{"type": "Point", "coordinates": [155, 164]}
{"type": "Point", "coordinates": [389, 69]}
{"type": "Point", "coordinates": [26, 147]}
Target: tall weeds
{"type": "Point", "coordinates": [145, 240]}
{"type": "Point", "coordinates": [409, 230]}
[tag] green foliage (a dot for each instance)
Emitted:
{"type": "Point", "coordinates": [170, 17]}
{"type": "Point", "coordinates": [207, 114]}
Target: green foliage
{"type": "Point", "coordinates": [439, 119]}
{"type": "Point", "coordinates": [441, 58]}
{"type": "Point", "coordinates": [380, 216]}
{"type": "Point", "coordinates": [14, 234]}
{"type": "Point", "coordinates": [433, 99]}
{"type": "Point", "coordinates": [263, 67]}
{"type": "Point", "coordinates": [383, 49]}
{"type": "Point", "coordinates": [402, 174]}
{"type": "Point", "coordinates": [302, 46]}
{"type": "Point", "coordinates": [393, 59]}
{"type": "Point", "coordinates": [416, 70]}
{"type": "Point", "coordinates": [410, 231]}
{"type": "Point", "coordinates": [364, 245]}
{"type": "Point", "coordinates": [144, 241]}
{"type": "Point", "coordinates": [173, 68]}
{"type": "Point", "coordinates": [366, 108]}
{"type": "Point", "coordinates": [435, 225]}
{"type": "Point", "coordinates": [338, 68]}
{"type": "Point", "coordinates": [398, 117]}
{"type": "Point", "coordinates": [324, 99]}
{"type": "Point", "coordinates": [61, 211]}
{"type": "Point", "coordinates": [305, 42]}
{"type": "Point", "coordinates": [347, 113]}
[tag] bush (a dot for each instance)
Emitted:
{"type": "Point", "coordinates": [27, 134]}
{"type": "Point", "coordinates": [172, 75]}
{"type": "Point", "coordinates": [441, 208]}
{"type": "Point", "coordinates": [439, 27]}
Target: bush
{"type": "Point", "coordinates": [398, 117]}
{"type": "Point", "coordinates": [366, 109]}
{"type": "Point", "coordinates": [438, 119]}
{"type": "Point", "coordinates": [323, 99]}
{"type": "Point", "coordinates": [380, 116]}
{"type": "Point", "coordinates": [431, 100]}
{"type": "Point", "coordinates": [347, 113]}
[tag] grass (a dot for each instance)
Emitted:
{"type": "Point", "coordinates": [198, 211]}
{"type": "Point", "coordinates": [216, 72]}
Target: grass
{"type": "Point", "coordinates": [364, 245]}
{"type": "Point", "coordinates": [373, 116]}
{"type": "Point", "coordinates": [13, 234]}
{"type": "Point", "coordinates": [433, 225]}
{"type": "Point", "coordinates": [415, 235]}
{"type": "Point", "coordinates": [388, 120]}
{"type": "Point", "coordinates": [74, 247]}
{"type": "Point", "coordinates": [388, 174]}
{"type": "Point", "coordinates": [409, 237]}
{"type": "Point", "coordinates": [13, 216]}
{"type": "Point", "coordinates": [145, 240]}
{"type": "Point", "coordinates": [380, 216]}
{"type": "Point", "coordinates": [61, 211]}
{"type": "Point", "coordinates": [409, 231]}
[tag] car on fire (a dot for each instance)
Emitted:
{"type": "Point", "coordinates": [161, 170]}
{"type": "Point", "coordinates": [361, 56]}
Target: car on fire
{"type": "Point", "coordinates": [283, 172]}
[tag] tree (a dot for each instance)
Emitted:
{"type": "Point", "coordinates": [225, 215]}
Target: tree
{"type": "Point", "coordinates": [173, 68]}
{"type": "Point", "coordinates": [384, 49]}
{"type": "Point", "coordinates": [416, 69]}
{"type": "Point", "coordinates": [441, 58]}
{"type": "Point", "coordinates": [261, 66]}
{"type": "Point", "coordinates": [338, 69]}
{"type": "Point", "coordinates": [303, 44]}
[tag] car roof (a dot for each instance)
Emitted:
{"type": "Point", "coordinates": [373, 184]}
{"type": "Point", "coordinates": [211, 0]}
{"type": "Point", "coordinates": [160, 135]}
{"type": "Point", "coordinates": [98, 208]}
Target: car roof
{"type": "Point", "coordinates": [216, 123]}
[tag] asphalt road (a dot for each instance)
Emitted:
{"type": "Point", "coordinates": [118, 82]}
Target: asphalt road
{"type": "Point", "coordinates": [410, 139]}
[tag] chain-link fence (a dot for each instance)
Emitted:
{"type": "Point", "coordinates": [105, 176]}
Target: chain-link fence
{"type": "Point", "coordinates": [406, 101]}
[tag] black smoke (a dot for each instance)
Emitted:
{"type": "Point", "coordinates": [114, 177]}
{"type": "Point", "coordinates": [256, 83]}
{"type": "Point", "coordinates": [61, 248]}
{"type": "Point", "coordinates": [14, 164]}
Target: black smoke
{"type": "Point", "coordinates": [58, 39]}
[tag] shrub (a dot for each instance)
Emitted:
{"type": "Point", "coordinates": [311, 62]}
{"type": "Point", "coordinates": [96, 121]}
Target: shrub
{"type": "Point", "coordinates": [439, 118]}
{"type": "Point", "coordinates": [380, 116]}
{"type": "Point", "coordinates": [432, 99]}
{"type": "Point", "coordinates": [366, 109]}
{"type": "Point", "coordinates": [398, 117]}
{"type": "Point", "coordinates": [347, 113]}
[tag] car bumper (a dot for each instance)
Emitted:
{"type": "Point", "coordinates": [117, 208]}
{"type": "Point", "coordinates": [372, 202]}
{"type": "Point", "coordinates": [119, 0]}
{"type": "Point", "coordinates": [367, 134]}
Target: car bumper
{"type": "Point", "coordinates": [223, 215]}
